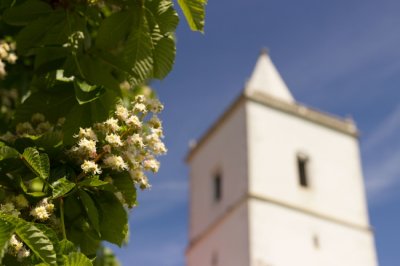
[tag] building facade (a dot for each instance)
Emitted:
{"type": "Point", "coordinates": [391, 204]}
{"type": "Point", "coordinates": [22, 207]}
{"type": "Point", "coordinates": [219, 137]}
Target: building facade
{"type": "Point", "coordinates": [276, 183]}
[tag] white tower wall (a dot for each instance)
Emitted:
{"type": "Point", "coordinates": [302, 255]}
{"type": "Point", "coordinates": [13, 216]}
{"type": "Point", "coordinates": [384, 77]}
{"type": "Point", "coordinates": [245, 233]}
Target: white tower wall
{"type": "Point", "coordinates": [265, 217]}
{"type": "Point", "coordinates": [336, 186]}
{"type": "Point", "coordinates": [227, 241]}
{"type": "Point", "coordinates": [288, 237]}
{"type": "Point", "coordinates": [211, 223]}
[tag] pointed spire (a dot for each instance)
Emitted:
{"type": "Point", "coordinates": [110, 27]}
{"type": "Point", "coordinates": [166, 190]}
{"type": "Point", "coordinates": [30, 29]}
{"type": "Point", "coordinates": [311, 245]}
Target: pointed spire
{"type": "Point", "coordinates": [266, 79]}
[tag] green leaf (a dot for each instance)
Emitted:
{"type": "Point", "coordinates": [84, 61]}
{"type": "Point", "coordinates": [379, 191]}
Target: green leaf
{"type": "Point", "coordinates": [90, 209]}
{"type": "Point", "coordinates": [97, 72]}
{"type": "Point", "coordinates": [86, 115]}
{"type": "Point", "coordinates": [139, 48]}
{"type": "Point", "coordinates": [50, 58]}
{"type": "Point", "coordinates": [194, 11]}
{"type": "Point", "coordinates": [123, 182]}
{"type": "Point", "coordinates": [113, 30]}
{"type": "Point", "coordinates": [77, 259]}
{"type": "Point", "coordinates": [50, 142]}
{"type": "Point", "coordinates": [86, 93]}
{"type": "Point", "coordinates": [25, 13]}
{"type": "Point", "coordinates": [33, 34]}
{"type": "Point", "coordinates": [113, 218]}
{"type": "Point", "coordinates": [53, 104]}
{"type": "Point", "coordinates": [67, 247]}
{"type": "Point", "coordinates": [106, 257]}
{"type": "Point", "coordinates": [37, 241]}
{"type": "Point", "coordinates": [38, 163]}
{"type": "Point", "coordinates": [93, 181]}
{"type": "Point", "coordinates": [164, 14]}
{"type": "Point", "coordinates": [6, 230]}
{"type": "Point", "coordinates": [54, 240]}
{"type": "Point", "coordinates": [7, 152]}
{"type": "Point", "coordinates": [87, 240]}
{"type": "Point", "coordinates": [164, 57]}
{"type": "Point", "coordinates": [61, 187]}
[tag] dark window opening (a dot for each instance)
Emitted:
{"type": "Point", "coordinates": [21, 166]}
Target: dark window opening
{"type": "Point", "coordinates": [214, 259]}
{"type": "Point", "coordinates": [316, 242]}
{"type": "Point", "coordinates": [302, 167]}
{"type": "Point", "coordinates": [217, 187]}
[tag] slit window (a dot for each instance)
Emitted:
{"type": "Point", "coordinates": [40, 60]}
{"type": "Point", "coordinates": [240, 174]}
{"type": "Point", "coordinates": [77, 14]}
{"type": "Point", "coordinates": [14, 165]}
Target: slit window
{"type": "Point", "coordinates": [302, 163]}
{"type": "Point", "coordinates": [217, 187]}
{"type": "Point", "coordinates": [316, 241]}
{"type": "Point", "coordinates": [214, 259]}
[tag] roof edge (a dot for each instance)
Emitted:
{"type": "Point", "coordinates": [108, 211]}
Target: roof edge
{"type": "Point", "coordinates": [228, 111]}
{"type": "Point", "coordinates": [342, 125]}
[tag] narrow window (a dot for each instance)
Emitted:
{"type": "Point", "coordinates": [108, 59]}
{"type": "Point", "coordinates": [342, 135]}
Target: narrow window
{"type": "Point", "coordinates": [302, 161]}
{"type": "Point", "coordinates": [217, 187]}
{"type": "Point", "coordinates": [316, 242]}
{"type": "Point", "coordinates": [214, 259]}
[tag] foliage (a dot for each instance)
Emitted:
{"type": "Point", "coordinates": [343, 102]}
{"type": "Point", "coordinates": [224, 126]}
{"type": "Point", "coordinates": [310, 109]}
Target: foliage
{"type": "Point", "coordinates": [79, 129]}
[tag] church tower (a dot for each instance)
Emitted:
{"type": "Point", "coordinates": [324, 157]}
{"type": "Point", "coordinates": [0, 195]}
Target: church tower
{"type": "Point", "coordinates": [276, 183]}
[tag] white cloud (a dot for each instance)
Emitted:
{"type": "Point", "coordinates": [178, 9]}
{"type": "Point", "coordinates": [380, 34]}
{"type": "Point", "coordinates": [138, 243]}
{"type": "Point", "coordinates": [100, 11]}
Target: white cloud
{"type": "Point", "coordinates": [389, 129]}
{"type": "Point", "coordinates": [382, 164]}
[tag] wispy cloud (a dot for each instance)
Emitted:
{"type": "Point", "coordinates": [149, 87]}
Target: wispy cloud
{"type": "Point", "coordinates": [346, 50]}
{"type": "Point", "coordinates": [382, 158]}
{"type": "Point", "coordinates": [162, 198]}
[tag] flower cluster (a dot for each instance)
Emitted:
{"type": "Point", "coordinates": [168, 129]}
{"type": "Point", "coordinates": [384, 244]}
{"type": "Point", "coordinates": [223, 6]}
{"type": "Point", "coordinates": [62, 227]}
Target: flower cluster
{"type": "Point", "coordinates": [37, 126]}
{"type": "Point", "coordinates": [129, 141]}
{"type": "Point", "coordinates": [6, 55]}
{"type": "Point", "coordinates": [14, 205]}
{"type": "Point", "coordinates": [8, 101]}
{"type": "Point", "coordinates": [9, 208]}
{"type": "Point", "coordinates": [74, 39]}
{"type": "Point", "coordinates": [43, 210]}
{"type": "Point", "coordinates": [17, 248]}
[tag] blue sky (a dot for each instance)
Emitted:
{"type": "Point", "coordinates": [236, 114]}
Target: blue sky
{"type": "Point", "coordinates": [339, 56]}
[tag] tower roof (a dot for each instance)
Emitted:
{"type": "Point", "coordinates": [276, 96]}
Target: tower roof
{"type": "Point", "coordinates": [266, 79]}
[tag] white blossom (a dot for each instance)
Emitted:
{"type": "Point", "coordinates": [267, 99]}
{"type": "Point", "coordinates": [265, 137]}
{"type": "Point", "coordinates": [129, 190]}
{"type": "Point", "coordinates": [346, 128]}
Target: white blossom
{"type": "Point", "coordinates": [154, 106]}
{"type": "Point", "coordinates": [3, 52]}
{"type": "Point", "coordinates": [114, 140]}
{"type": "Point", "coordinates": [23, 253]}
{"type": "Point", "coordinates": [151, 164]}
{"type": "Point", "coordinates": [40, 212]}
{"type": "Point", "coordinates": [121, 112]}
{"type": "Point", "coordinates": [90, 167]}
{"type": "Point", "coordinates": [140, 107]}
{"type": "Point", "coordinates": [48, 205]}
{"type": "Point", "coordinates": [133, 120]}
{"type": "Point", "coordinates": [12, 58]}
{"type": "Point", "coordinates": [159, 148]}
{"type": "Point", "coordinates": [112, 124]}
{"type": "Point", "coordinates": [86, 133]}
{"type": "Point", "coordinates": [43, 210]}
{"type": "Point", "coordinates": [136, 140]}
{"type": "Point", "coordinates": [115, 162]}
{"type": "Point", "coordinates": [140, 98]}
{"type": "Point", "coordinates": [9, 208]}
{"type": "Point", "coordinates": [3, 71]}
{"type": "Point", "coordinates": [155, 122]}
{"type": "Point", "coordinates": [153, 138]}
{"type": "Point", "coordinates": [15, 243]}
{"type": "Point", "coordinates": [87, 146]}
